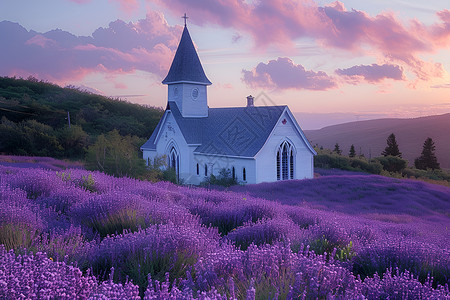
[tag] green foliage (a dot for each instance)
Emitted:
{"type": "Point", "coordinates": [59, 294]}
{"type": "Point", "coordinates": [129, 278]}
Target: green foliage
{"type": "Point", "coordinates": [436, 174]}
{"type": "Point", "coordinates": [392, 147]}
{"type": "Point", "coordinates": [34, 118]}
{"type": "Point", "coordinates": [334, 161]}
{"type": "Point", "coordinates": [16, 236]}
{"type": "Point", "coordinates": [74, 141]}
{"type": "Point", "coordinates": [116, 155]}
{"type": "Point", "coordinates": [346, 253]}
{"type": "Point", "coordinates": [224, 178]}
{"type": "Point", "coordinates": [392, 163]}
{"type": "Point", "coordinates": [126, 219]}
{"type": "Point", "coordinates": [427, 160]}
{"type": "Point", "coordinates": [157, 171]}
{"type": "Point", "coordinates": [88, 183]}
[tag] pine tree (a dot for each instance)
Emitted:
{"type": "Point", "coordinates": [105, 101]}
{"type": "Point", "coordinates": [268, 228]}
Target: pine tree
{"type": "Point", "coordinates": [352, 152]}
{"type": "Point", "coordinates": [427, 160]}
{"type": "Point", "coordinates": [337, 149]}
{"type": "Point", "coordinates": [392, 147]}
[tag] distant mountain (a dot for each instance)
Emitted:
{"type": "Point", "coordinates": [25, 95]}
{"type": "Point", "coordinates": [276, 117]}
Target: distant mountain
{"type": "Point", "coordinates": [369, 137]}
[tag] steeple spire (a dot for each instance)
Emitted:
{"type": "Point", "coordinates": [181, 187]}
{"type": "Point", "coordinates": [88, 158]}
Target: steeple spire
{"type": "Point", "coordinates": [186, 66]}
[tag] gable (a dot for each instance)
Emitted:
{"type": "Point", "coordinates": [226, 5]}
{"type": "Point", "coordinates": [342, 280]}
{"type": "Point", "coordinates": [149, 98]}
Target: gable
{"type": "Point", "coordinates": [287, 128]}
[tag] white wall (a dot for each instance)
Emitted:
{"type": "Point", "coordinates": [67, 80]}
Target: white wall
{"type": "Point", "coordinates": [216, 163]}
{"type": "Point", "coordinates": [266, 164]}
{"type": "Point", "coordinates": [170, 134]}
{"type": "Point", "coordinates": [189, 106]}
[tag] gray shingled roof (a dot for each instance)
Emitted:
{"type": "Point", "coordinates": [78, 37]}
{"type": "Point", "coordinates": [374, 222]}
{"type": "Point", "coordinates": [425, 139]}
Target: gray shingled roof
{"type": "Point", "coordinates": [186, 66]}
{"type": "Point", "coordinates": [233, 131]}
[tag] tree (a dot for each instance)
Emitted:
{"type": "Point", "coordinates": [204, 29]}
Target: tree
{"type": "Point", "coordinates": [116, 155]}
{"type": "Point", "coordinates": [427, 160]}
{"type": "Point", "coordinates": [352, 152]}
{"type": "Point", "coordinates": [337, 149]}
{"type": "Point", "coordinates": [392, 147]}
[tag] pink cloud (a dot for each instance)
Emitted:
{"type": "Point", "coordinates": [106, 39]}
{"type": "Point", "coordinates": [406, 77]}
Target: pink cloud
{"type": "Point", "coordinates": [280, 22]}
{"type": "Point", "coordinates": [371, 73]}
{"type": "Point", "coordinates": [284, 74]}
{"type": "Point", "coordinates": [128, 6]}
{"type": "Point", "coordinates": [57, 55]}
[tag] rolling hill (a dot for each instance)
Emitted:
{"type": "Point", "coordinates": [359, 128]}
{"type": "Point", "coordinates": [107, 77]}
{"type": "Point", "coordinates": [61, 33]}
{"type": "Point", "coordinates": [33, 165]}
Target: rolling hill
{"type": "Point", "coordinates": [369, 137]}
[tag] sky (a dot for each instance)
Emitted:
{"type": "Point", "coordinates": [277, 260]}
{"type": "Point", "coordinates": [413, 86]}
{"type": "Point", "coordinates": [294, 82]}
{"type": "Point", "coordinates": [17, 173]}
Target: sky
{"type": "Point", "coordinates": [331, 62]}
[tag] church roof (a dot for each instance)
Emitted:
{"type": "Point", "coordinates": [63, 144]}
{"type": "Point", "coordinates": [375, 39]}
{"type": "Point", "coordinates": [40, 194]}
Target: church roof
{"type": "Point", "coordinates": [229, 131]}
{"type": "Point", "coordinates": [186, 66]}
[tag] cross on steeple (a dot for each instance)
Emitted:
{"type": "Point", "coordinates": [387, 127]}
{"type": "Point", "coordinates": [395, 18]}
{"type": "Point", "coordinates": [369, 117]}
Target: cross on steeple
{"type": "Point", "coordinates": [185, 19]}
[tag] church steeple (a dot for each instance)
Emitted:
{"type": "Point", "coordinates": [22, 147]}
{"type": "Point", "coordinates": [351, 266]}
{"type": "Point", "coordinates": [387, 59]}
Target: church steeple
{"type": "Point", "coordinates": [186, 79]}
{"type": "Point", "coordinates": [186, 66]}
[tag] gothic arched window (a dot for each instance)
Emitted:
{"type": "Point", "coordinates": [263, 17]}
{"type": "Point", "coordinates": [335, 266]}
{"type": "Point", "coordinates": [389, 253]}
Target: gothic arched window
{"type": "Point", "coordinates": [174, 161]}
{"type": "Point", "coordinates": [285, 161]}
{"type": "Point", "coordinates": [244, 174]}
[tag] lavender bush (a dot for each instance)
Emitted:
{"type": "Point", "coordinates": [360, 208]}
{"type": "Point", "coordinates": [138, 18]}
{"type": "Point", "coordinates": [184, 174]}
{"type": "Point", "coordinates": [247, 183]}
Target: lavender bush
{"type": "Point", "coordinates": [76, 234]}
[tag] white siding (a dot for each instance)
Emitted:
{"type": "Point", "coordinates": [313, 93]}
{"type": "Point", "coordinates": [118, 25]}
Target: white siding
{"type": "Point", "coordinates": [189, 106]}
{"type": "Point", "coordinates": [216, 163]}
{"type": "Point", "coordinates": [266, 164]}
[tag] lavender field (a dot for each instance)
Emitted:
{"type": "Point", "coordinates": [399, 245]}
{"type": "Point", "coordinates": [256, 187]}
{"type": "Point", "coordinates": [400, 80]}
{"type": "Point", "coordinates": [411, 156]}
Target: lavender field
{"type": "Point", "coordinates": [76, 234]}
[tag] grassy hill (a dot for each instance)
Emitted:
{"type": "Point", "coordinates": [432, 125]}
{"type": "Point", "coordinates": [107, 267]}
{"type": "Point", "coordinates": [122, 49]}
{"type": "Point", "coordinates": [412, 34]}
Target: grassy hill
{"type": "Point", "coordinates": [369, 137]}
{"type": "Point", "coordinates": [34, 118]}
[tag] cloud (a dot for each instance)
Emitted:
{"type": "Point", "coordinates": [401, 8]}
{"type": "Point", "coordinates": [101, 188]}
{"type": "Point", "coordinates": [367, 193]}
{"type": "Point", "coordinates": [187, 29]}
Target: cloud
{"type": "Point", "coordinates": [57, 55]}
{"type": "Point", "coordinates": [371, 73]}
{"type": "Point", "coordinates": [441, 86]}
{"type": "Point", "coordinates": [284, 74]}
{"type": "Point", "coordinates": [281, 22]}
{"type": "Point", "coordinates": [128, 6]}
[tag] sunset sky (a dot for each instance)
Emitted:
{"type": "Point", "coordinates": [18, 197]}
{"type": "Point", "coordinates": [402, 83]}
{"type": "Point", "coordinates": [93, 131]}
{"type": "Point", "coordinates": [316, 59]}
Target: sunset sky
{"type": "Point", "coordinates": [331, 62]}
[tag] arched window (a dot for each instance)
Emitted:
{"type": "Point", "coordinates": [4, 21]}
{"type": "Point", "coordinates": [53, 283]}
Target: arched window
{"type": "Point", "coordinates": [198, 169]}
{"type": "Point", "coordinates": [285, 161]}
{"type": "Point", "coordinates": [174, 161]}
{"type": "Point", "coordinates": [233, 173]}
{"type": "Point", "coordinates": [206, 170]}
{"type": "Point", "coordinates": [244, 175]}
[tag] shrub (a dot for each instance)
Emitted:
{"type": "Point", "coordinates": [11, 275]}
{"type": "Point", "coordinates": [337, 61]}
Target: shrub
{"type": "Point", "coordinates": [223, 179]}
{"type": "Point", "coordinates": [392, 163]}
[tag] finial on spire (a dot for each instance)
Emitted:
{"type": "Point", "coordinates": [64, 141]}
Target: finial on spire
{"type": "Point", "coordinates": [185, 19]}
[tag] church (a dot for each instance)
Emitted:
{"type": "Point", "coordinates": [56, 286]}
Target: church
{"type": "Point", "coordinates": [254, 143]}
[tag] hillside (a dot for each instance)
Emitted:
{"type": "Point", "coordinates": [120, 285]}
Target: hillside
{"type": "Point", "coordinates": [30, 99]}
{"type": "Point", "coordinates": [369, 137]}
{"type": "Point", "coordinates": [34, 119]}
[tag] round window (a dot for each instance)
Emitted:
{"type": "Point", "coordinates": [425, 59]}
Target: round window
{"type": "Point", "coordinates": [194, 94]}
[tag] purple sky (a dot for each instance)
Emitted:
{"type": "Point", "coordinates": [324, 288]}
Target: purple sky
{"type": "Point", "coordinates": [331, 62]}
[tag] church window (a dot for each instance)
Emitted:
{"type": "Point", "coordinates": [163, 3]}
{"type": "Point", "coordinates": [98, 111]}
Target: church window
{"type": "Point", "coordinates": [244, 175]}
{"type": "Point", "coordinates": [194, 93]}
{"type": "Point", "coordinates": [174, 161]}
{"type": "Point", "coordinates": [198, 169]}
{"type": "Point", "coordinates": [285, 161]}
{"type": "Point", "coordinates": [278, 165]}
{"type": "Point", "coordinates": [233, 173]}
{"type": "Point", "coordinates": [206, 170]}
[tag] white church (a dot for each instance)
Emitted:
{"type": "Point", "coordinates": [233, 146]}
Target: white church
{"type": "Point", "coordinates": [255, 143]}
